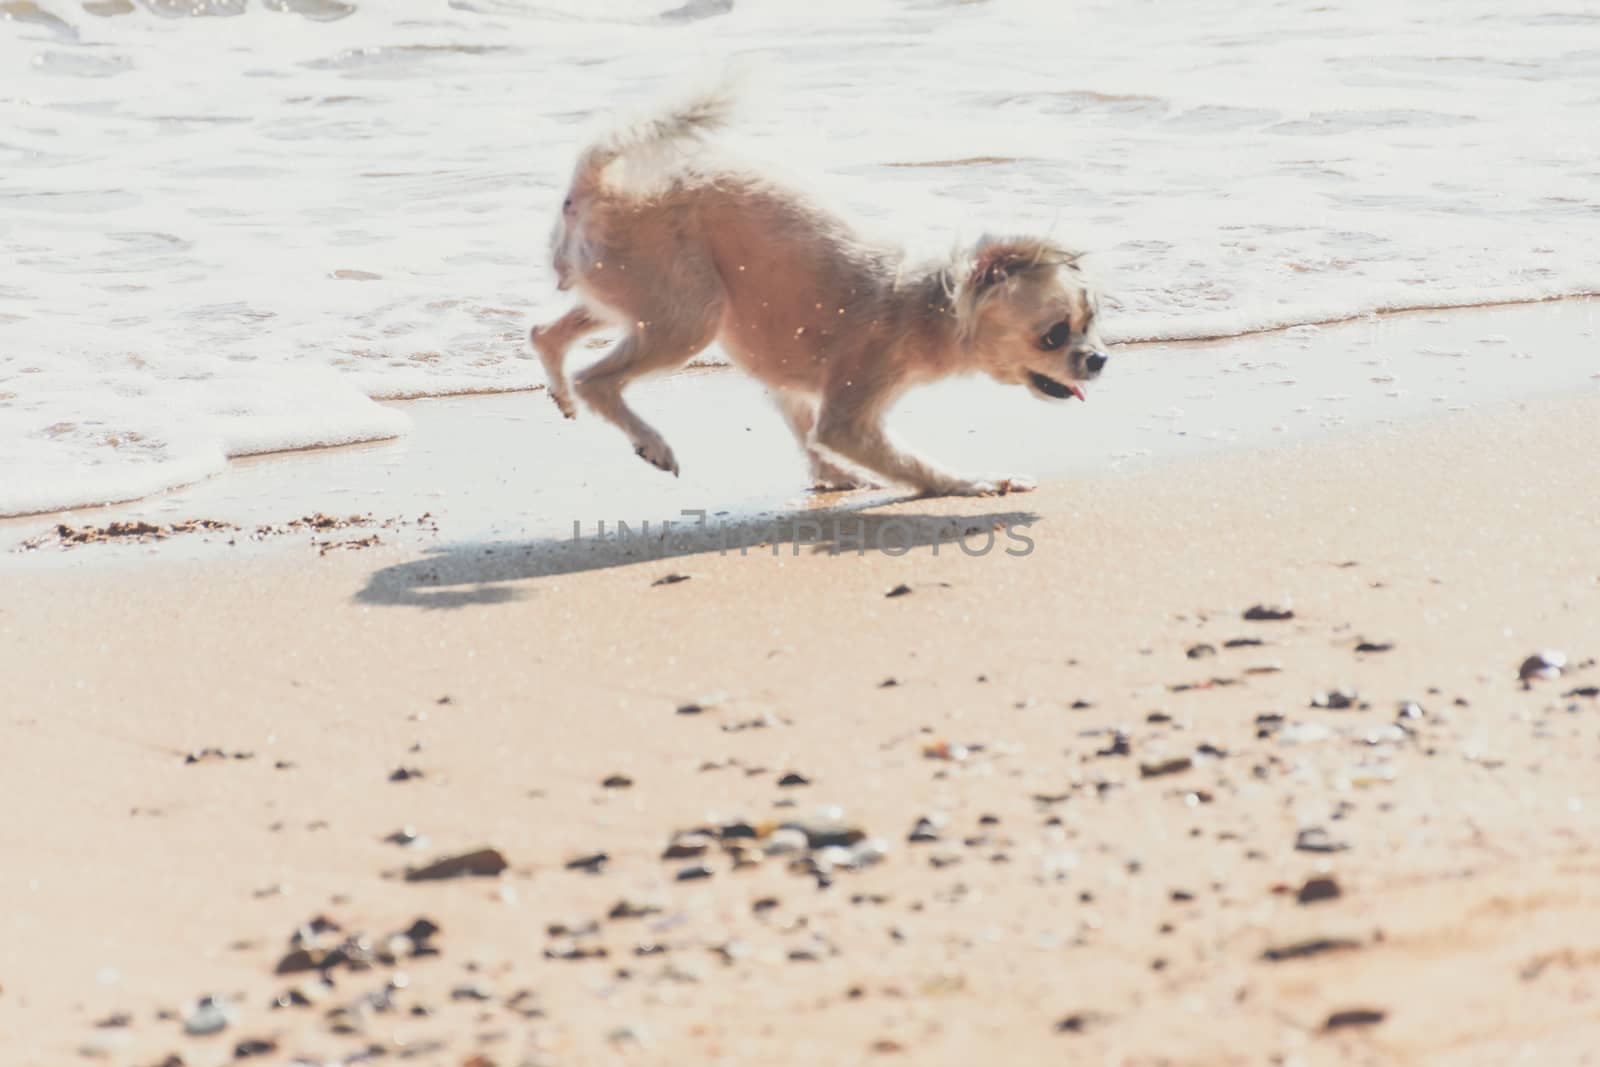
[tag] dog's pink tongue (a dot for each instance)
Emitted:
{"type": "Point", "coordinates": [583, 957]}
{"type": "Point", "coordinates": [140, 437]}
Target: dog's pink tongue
{"type": "Point", "coordinates": [1077, 391]}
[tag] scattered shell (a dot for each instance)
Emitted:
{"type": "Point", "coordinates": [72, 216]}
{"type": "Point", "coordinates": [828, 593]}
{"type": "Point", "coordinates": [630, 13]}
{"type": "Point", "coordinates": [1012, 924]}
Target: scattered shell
{"type": "Point", "coordinates": [204, 755]}
{"type": "Point", "coordinates": [785, 840]}
{"type": "Point", "coordinates": [1201, 651]}
{"type": "Point", "coordinates": [208, 1015]}
{"type": "Point", "coordinates": [1546, 665]}
{"type": "Point", "coordinates": [1316, 839]}
{"type": "Point", "coordinates": [826, 830]}
{"type": "Point", "coordinates": [925, 830]}
{"type": "Point", "coordinates": [687, 845]}
{"type": "Point", "coordinates": [1304, 733]}
{"type": "Point", "coordinates": [1336, 699]}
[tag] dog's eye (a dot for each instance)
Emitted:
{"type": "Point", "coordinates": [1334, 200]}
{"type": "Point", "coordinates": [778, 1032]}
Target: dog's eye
{"type": "Point", "coordinates": [1057, 336]}
{"type": "Point", "coordinates": [566, 205]}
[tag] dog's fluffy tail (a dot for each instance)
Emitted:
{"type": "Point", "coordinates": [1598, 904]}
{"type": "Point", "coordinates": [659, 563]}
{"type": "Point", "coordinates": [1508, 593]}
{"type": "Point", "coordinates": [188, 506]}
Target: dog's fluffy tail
{"type": "Point", "coordinates": [647, 141]}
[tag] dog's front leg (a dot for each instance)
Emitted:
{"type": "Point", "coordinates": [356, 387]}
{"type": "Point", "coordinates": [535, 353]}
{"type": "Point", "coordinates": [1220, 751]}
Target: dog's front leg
{"type": "Point", "coordinates": [859, 439]}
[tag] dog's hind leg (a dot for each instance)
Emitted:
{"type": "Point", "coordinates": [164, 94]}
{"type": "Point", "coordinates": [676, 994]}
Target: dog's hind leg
{"type": "Point", "coordinates": [800, 412]}
{"type": "Point", "coordinates": [649, 347]}
{"type": "Point", "coordinates": [552, 342]}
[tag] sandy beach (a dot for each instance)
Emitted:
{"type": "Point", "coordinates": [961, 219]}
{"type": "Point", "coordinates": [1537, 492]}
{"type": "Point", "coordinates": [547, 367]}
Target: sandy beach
{"type": "Point", "coordinates": [1072, 799]}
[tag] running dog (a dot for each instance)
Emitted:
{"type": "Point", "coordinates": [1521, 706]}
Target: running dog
{"type": "Point", "coordinates": [679, 250]}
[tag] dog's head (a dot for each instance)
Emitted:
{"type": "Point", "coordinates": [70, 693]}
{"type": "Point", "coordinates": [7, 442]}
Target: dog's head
{"type": "Point", "coordinates": [1028, 317]}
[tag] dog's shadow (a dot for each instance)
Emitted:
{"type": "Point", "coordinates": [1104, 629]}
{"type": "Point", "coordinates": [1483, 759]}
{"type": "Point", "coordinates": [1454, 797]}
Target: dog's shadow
{"type": "Point", "coordinates": [484, 573]}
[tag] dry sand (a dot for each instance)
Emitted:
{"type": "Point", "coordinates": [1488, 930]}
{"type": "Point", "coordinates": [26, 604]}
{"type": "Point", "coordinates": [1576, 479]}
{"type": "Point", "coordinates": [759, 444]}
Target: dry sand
{"type": "Point", "coordinates": [1115, 794]}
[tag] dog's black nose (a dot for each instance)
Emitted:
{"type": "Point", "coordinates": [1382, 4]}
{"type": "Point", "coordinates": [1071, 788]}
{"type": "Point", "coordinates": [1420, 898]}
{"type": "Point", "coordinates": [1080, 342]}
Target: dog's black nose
{"type": "Point", "coordinates": [1094, 361]}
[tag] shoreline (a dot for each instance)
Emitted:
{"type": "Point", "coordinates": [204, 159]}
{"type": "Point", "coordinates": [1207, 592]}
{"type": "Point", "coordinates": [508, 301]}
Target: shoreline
{"type": "Point", "coordinates": [481, 465]}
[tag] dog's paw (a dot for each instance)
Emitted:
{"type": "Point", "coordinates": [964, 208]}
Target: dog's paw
{"type": "Point", "coordinates": [986, 487]}
{"type": "Point", "coordinates": [658, 455]}
{"type": "Point", "coordinates": [1017, 483]}
{"type": "Point", "coordinates": [837, 481]}
{"type": "Point", "coordinates": [843, 485]}
{"type": "Point", "coordinates": [563, 402]}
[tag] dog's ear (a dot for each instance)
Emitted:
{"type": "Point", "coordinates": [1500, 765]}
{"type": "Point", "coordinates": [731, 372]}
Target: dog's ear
{"type": "Point", "coordinates": [998, 260]}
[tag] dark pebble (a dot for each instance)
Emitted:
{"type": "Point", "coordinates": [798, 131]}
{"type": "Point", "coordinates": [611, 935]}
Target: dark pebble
{"type": "Point", "coordinates": [1375, 646]}
{"type": "Point", "coordinates": [925, 830]}
{"type": "Point", "coordinates": [470, 992]}
{"type": "Point", "coordinates": [1267, 613]}
{"type": "Point", "coordinates": [1201, 651]}
{"type": "Point", "coordinates": [1317, 889]}
{"type": "Point", "coordinates": [1077, 1022]}
{"type": "Point", "coordinates": [694, 873]}
{"type": "Point", "coordinates": [1159, 768]}
{"type": "Point", "coordinates": [593, 862]}
{"type": "Point", "coordinates": [254, 1047]}
{"type": "Point", "coordinates": [617, 781]}
{"type": "Point", "coordinates": [1355, 1017]}
{"type": "Point", "coordinates": [1243, 642]}
{"type": "Point", "coordinates": [483, 862]}
{"type": "Point", "coordinates": [671, 579]}
{"type": "Point", "coordinates": [404, 774]}
{"type": "Point", "coordinates": [793, 778]}
{"type": "Point", "coordinates": [1120, 745]}
{"type": "Point", "coordinates": [899, 590]}
{"type": "Point", "coordinates": [1300, 950]}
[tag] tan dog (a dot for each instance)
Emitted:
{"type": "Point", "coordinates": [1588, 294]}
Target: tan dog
{"type": "Point", "coordinates": [680, 252]}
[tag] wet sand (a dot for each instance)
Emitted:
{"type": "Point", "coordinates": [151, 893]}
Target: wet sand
{"type": "Point", "coordinates": [1148, 829]}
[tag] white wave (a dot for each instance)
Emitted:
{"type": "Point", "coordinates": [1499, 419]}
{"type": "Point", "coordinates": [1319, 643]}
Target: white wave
{"type": "Point", "coordinates": [225, 234]}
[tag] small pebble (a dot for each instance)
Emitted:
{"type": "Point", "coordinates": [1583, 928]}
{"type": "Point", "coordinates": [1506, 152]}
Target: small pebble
{"type": "Point", "coordinates": [1159, 768]}
{"type": "Point", "coordinates": [1318, 889]}
{"type": "Point", "coordinates": [1355, 1017]}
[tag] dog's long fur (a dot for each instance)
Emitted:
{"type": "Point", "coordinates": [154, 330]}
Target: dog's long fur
{"type": "Point", "coordinates": [680, 251]}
